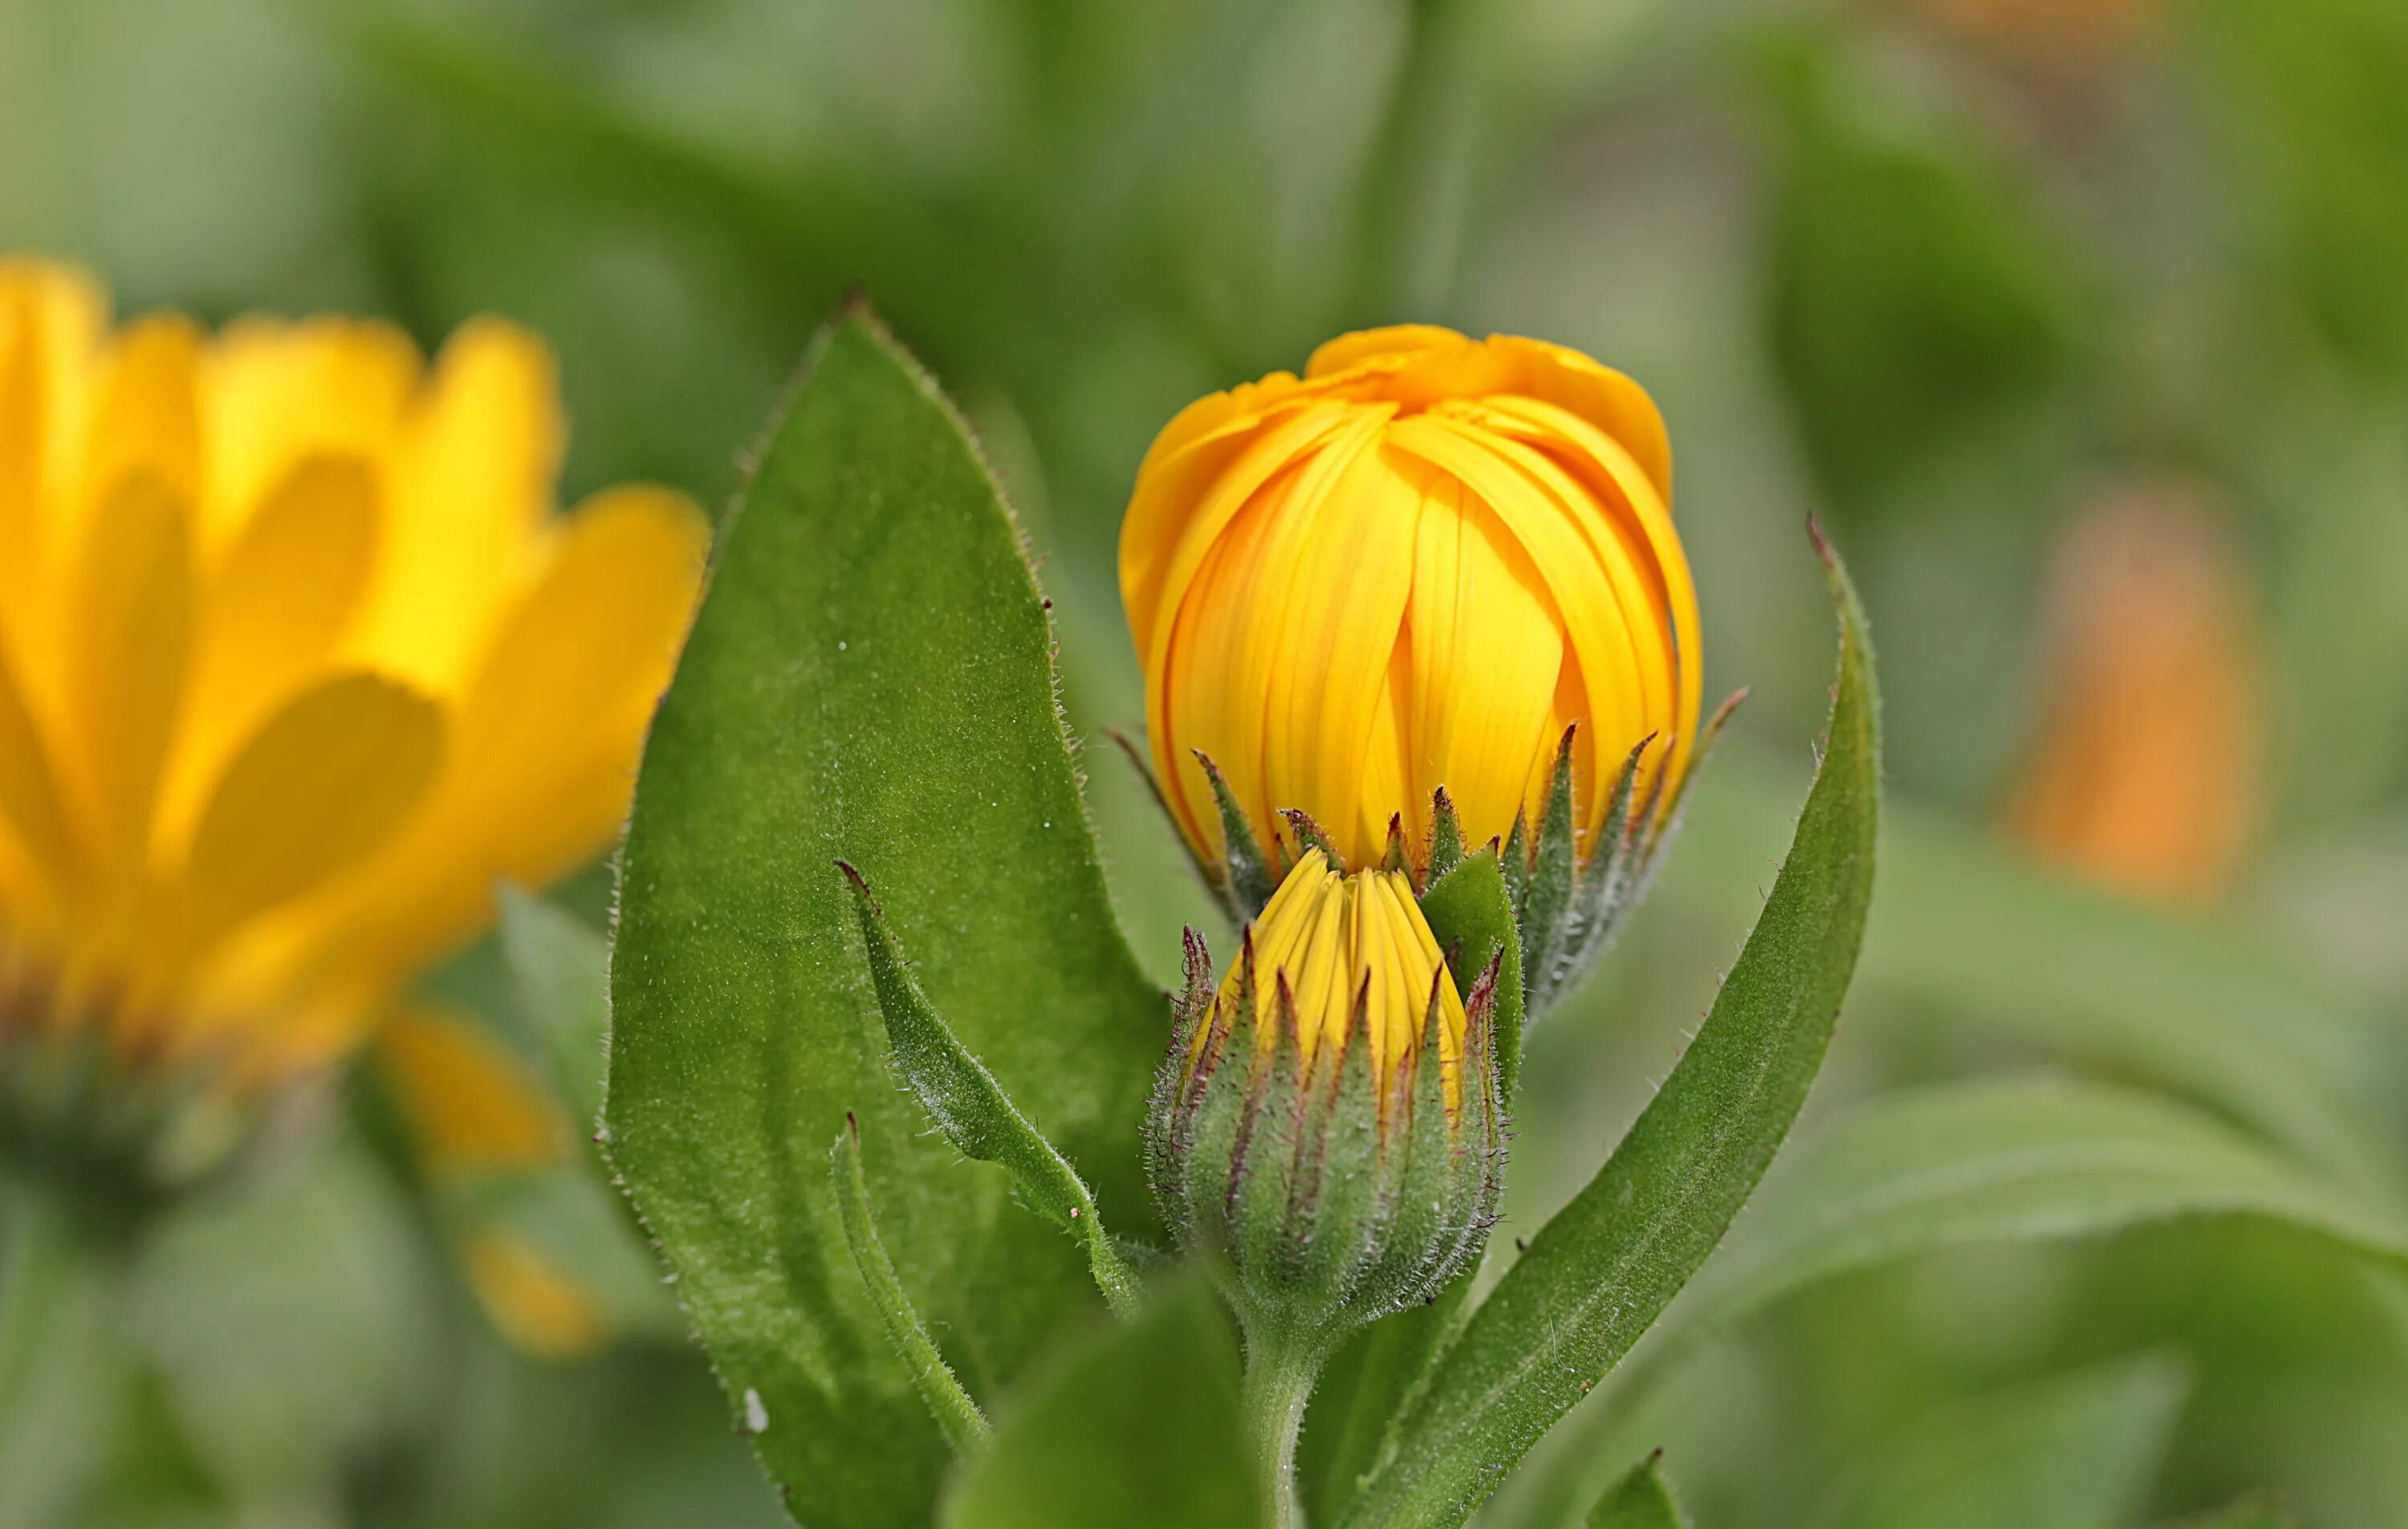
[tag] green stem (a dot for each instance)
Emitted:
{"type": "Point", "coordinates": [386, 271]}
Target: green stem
{"type": "Point", "coordinates": [37, 1263]}
{"type": "Point", "coordinates": [1279, 1380]}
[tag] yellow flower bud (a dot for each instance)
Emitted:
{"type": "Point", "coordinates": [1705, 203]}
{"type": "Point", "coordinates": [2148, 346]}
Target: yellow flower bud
{"type": "Point", "coordinates": [1413, 567]}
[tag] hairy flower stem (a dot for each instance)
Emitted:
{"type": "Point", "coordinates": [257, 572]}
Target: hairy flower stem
{"type": "Point", "coordinates": [1280, 1374]}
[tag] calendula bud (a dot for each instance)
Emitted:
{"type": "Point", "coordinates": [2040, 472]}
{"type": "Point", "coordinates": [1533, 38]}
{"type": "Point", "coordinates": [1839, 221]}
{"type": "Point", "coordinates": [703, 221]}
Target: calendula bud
{"type": "Point", "coordinates": [1326, 1130]}
{"type": "Point", "coordinates": [1425, 596]}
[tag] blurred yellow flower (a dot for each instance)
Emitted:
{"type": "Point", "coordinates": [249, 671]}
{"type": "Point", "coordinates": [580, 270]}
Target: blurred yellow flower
{"type": "Point", "coordinates": [2144, 771]}
{"type": "Point", "coordinates": [296, 660]}
{"type": "Point", "coordinates": [1415, 566]}
{"type": "Point", "coordinates": [1333, 950]}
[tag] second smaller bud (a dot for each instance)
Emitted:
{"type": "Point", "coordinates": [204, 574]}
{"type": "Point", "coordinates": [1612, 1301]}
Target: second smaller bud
{"type": "Point", "coordinates": [1327, 1132]}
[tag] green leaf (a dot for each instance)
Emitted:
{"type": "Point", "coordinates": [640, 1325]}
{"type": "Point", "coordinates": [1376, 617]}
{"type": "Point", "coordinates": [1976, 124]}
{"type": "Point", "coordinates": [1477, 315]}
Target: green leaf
{"type": "Point", "coordinates": [1640, 1500]}
{"type": "Point", "coordinates": [951, 1406]}
{"type": "Point", "coordinates": [971, 1109]}
{"type": "Point", "coordinates": [1139, 1425]}
{"type": "Point", "coordinates": [869, 677]}
{"type": "Point", "coordinates": [1472, 920]}
{"type": "Point", "coordinates": [2072, 1455]}
{"type": "Point", "coordinates": [2013, 1160]}
{"type": "Point", "coordinates": [560, 973]}
{"type": "Point", "coordinates": [1965, 1165]}
{"type": "Point", "coordinates": [1599, 1272]}
{"type": "Point", "coordinates": [1361, 1389]}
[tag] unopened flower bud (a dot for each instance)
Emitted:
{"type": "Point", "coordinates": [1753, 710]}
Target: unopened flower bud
{"type": "Point", "coordinates": [1326, 1129]}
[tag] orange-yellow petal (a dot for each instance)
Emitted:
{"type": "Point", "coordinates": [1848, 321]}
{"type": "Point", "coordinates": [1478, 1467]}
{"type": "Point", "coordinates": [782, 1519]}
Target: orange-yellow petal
{"type": "Point", "coordinates": [324, 782]}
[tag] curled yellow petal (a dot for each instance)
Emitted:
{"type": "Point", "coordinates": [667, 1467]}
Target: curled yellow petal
{"type": "Point", "coordinates": [1414, 567]}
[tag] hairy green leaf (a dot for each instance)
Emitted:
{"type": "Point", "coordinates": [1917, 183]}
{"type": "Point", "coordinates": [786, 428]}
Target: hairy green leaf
{"type": "Point", "coordinates": [1139, 1425]}
{"type": "Point", "coordinates": [1600, 1271]}
{"type": "Point", "coordinates": [870, 675]}
{"type": "Point", "coordinates": [972, 1110]}
{"type": "Point", "coordinates": [2013, 1160]}
{"type": "Point", "coordinates": [948, 1402]}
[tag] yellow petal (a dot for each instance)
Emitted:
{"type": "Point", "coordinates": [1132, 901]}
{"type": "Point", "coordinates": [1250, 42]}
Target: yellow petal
{"type": "Point", "coordinates": [148, 421]}
{"type": "Point", "coordinates": [600, 628]}
{"type": "Point", "coordinates": [480, 453]}
{"type": "Point", "coordinates": [280, 392]}
{"type": "Point", "coordinates": [324, 783]}
{"type": "Point", "coordinates": [281, 599]}
{"type": "Point", "coordinates": [539, 1306]}
{"type": "Point", "coordinates": [128, 644]}
{"type": "Point", "coordinates": [1485, 650]}
{"type": "Point", "coordinates": [29, 794]}
{"type": "Point", "coordinates": [24, 414]}
{"type": "Point", "coordinates": [473, 1107]}
{"type": "Point", "coordinates": [50, 321]}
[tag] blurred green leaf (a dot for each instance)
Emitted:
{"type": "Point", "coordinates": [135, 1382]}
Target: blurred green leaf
{"type": "Point", "coordinates": [869, 677]}
{"type": "Point", "coordinates": [2008, 1160]}
{"type": "Point", "coordinates": [2075, 1453]}
{"type": "Point", "coordinates": [1596, 1275]}
{"type": "Point", "coordinates": [1640, 1500]}
{"type": "Point", "coordinates": [560, 976]}
{"type": "Point", "coordinates": [1135, 1424]}
{"type": "Point", "coordinates": [1912, 305]}
{"type": "Point", "coordinates": [292, 1326]}
{"type": "Point", "coordinates": [1970, 936]}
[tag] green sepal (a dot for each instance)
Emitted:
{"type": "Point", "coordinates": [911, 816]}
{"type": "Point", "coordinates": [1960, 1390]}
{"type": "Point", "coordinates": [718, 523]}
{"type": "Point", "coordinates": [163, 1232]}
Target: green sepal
{"type": "Point", "coordinates": [970, 1107]}
{"type": "Point", "coordinates": [1471, 917]}
{"type": "Point", "coordinates": [1516, 863]}
{"type": "Point", "coordinates": [1547, 901]}
{"type": "Point", "coordinates": [935, 1380]}
{"type": "Point", "coordinates": [1265, 1244]}
{"type": "Point", "coordinates": [1342, 1204]}
{"type": "Point", "coordinates": [1446, 835]}
{"type": "Point", "coordinates": [1246, 880]}
{"type": "Point", "coordinates": [1310, 836]}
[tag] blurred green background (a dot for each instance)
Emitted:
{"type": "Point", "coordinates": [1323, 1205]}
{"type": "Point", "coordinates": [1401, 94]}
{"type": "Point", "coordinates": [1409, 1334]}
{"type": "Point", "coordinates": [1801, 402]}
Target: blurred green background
{"type": "Point", "coordinates": [1952, 275]}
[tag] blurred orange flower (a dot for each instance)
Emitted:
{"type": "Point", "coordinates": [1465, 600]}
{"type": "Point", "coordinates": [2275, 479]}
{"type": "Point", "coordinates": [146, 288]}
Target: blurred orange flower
{"type": "Point", "coordinates": [2144, 770]}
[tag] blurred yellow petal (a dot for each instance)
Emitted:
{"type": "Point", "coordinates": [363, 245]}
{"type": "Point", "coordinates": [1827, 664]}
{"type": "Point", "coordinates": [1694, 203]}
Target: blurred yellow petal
{"type": "Point", "coordinates": [30, 800]}
{"type": "Point", "coordinates": [482, 448]}
{"type": "Point", "coordinates": [602, 625]}
{"type": "Point", "coordinates": [148, 421]}
{"type": "Point", "coordinates": [328, 779]}
{"type": "Point", "coordinates": [540, 1306]}
{"type": "Point", "coordinates": [129, 642]}
{"type": "Point", "coordinates": [472, 1106]}
{"type": "Point", "coordinates": [280, 394]}
{"type": "Point", "coordinates": [280, 600]}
